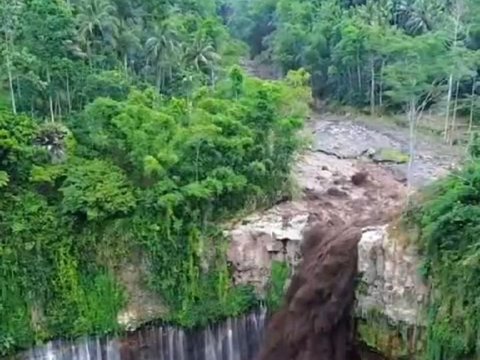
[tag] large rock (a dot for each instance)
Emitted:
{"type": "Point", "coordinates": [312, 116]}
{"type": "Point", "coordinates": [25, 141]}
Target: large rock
{"type": "Point", "coordinates": [391, 295]}
{"type": "Point", "coordinates": [262, 239]}
{"type": "Point", "coordinates": [390, 282]}
{"type": "Point", "coordinates": [142, 304]}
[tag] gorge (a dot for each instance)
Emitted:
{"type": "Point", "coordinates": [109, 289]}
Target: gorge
{"type": "Point", "coordinates": [389, 292]}
{"type": "Point", "coordinates": [239, 179]}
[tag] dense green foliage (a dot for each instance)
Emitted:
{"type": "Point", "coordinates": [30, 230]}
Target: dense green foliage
{"type": "Point", "coordinates": [56, 56]}
{"type": "Point", "coordinates": [279, 276]}
{"type": "Point", "coordinates": [448, 221]}
{"type": "Point", "coordinates": [376, 53]}
{"type": "Point", "coordinates": [147, 174]}
{"type": "Point", "coordinates": [128, 137]}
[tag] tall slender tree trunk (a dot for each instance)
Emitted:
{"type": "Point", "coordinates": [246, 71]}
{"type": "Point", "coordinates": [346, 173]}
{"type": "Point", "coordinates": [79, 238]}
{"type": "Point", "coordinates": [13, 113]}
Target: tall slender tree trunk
{"type": "Point", "coordinates": [372, 90]}
{"type": "Point", "coordinates": [69, 99]}
{"type": "Point", "coordinates": [162, 79]}
{"type": "Point", "coordinates": [380, 97]}
{"type": "Point", "coordinates": [352, 84]}
{"type": "Point", "coordinates": [59, 107]}
{"type": "Point", "coordinates": [450, 79]}
{"type": "Point", "coordinates": [412, 117]}
{"type": "Point", "coordinates": [125, 63]}
{"type": "Point", "coordinates": [359, 71]}
{"type": "Point", "coordinates": [470, 122]}
{"type": "Point", "coordinates": [212, 78]}
{"type": "Point", "coordinates": [197, 162]}
{"type": "Point", "coordinates": [89, 55]}
{"type": "Point", "coordinates": [159, 80]}
{"type": "Point", "coordinates": [50, 100]}
{"type": "Point", "coordinates": [10, 83]}
{"type": "Point", "coordinates": [19, 88]}
{"type": "Point", "coordinates": [454, 119]}
{"type": "Point", "coordinates": [447, 115]}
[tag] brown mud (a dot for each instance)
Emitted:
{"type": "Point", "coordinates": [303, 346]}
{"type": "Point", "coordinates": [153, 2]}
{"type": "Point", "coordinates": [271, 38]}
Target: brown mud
{"type": "Point", "coordinates": [316, 321]}
{"type": "Point", "coordinates": [356, 168]}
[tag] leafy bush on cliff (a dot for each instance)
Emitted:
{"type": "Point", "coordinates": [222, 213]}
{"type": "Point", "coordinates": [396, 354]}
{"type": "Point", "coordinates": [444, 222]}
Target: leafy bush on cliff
{"type": "Point", "coordinates": [147, 175]}
{"type": "Point", "coordinates": [449, 223]}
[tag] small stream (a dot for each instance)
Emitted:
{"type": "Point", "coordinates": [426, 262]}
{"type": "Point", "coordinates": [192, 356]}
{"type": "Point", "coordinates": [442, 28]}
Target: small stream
{"type": "Point", "coordinates": [234, 339]}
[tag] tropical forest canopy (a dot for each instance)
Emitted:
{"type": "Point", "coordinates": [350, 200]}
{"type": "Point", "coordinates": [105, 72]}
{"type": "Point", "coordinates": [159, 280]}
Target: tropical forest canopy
{"type": "Point", "coordinates": [394, 55]}
{"type": "Point", "coordinates": [128, 134]}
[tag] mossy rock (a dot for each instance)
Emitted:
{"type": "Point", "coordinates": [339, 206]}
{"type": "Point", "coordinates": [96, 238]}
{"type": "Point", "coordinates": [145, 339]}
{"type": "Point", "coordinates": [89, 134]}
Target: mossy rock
{"type": "Point", "coordinates": [391, 155]}
{"type": "Point", "coordinates": [396, 342]}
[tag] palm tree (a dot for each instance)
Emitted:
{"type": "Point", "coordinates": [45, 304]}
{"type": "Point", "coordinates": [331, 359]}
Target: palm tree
{"type": "Point", "coordinates": [161, 50]}
{"type": "Point", "coordinates": [95, 18]}
{"type": "Point", "coordinates": [202, 55]}
{"type": "Point", "coordinates": [126, 43]}
{"type": "Point", "coordinates": [419, 16]}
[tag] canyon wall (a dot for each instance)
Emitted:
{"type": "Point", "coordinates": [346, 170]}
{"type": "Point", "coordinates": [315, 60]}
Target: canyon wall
{"type": "Point", "coordinates": [390, 292]}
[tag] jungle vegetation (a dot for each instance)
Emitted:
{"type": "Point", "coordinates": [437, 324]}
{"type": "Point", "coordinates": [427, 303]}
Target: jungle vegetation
{"type": "Point", "coordinates": [378, 55]}
{"type": "Point", "coordinates": [445, 216]}
{"type": "Point", "coordinates": [127, 131]}
{"type": "Point", "coordinates": [127, 135]}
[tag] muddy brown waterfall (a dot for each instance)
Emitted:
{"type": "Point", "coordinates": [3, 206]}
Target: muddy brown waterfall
{"type": "Point", "coordinates": [316, 320]}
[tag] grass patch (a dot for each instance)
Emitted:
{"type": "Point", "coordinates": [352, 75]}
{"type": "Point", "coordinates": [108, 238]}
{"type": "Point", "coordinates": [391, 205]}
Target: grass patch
{"type": "Point", "coordinates": [392, 155]}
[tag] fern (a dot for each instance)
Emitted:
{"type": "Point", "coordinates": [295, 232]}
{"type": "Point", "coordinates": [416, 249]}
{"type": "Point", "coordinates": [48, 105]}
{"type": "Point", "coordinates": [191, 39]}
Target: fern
{"type": "Point", "coordinates": [4, 179]}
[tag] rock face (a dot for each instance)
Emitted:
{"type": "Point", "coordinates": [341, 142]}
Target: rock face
{"type": "Point", "coordinates": [142, 304]}
{"type": "Point", "coordinates": [391, 295]}
{"type": "Point", "coordinates": [390, 281]}
{"type": "Point", "coordinates": [261, 241]}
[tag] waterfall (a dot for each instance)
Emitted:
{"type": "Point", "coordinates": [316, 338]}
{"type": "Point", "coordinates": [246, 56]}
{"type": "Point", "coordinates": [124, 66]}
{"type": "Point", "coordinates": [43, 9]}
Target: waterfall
{"type": "Point", "coordinates": [234, 339]}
